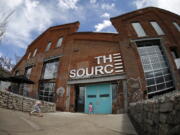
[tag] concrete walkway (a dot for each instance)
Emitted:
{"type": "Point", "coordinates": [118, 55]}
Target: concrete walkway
{"type": "Point", "coordinates": [64, 123]}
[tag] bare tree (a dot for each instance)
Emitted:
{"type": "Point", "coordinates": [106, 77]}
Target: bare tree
{"type": "Point", "coordinates": [6, 63]}
{"type": "Point", "coordinates": [3, 23]}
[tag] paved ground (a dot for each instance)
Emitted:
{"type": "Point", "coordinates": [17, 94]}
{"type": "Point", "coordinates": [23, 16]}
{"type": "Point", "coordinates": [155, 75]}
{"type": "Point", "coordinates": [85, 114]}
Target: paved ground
{"type": "Point", "coordinates": [64, 123]}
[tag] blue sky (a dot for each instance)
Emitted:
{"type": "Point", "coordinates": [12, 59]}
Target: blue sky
{"type": "Point", "coordinates": [32, 17]}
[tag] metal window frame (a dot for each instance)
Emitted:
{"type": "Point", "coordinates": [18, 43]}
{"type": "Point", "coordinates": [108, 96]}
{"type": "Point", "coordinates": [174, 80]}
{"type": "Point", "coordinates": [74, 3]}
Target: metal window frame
{"type": "Point", "coordinates": [164, 50]}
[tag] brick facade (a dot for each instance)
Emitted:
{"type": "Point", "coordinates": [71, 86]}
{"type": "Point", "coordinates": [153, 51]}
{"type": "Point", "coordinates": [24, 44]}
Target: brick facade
{"type": "Point", "coordinates": [79, 49]}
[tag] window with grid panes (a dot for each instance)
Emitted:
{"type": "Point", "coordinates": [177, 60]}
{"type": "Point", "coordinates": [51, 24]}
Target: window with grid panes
{"type": "Point", "coordinates": [46, 91]}
{"type": "Point", "coordinates": [47, 84]}
{"type": "Point", "coordinates": [156, 70]}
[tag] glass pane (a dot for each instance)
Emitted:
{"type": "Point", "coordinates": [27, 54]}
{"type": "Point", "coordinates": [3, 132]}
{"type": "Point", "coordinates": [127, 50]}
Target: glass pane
{"type": "Point", "coordinates": [159, 80]}
{"type": "Point", "coordinates": [139, 30]}
{"type": "Point", "coordinates": [177, 26]}
{"type": "Point", "coordinates": [150, 81]}
{"type": "Point", "coordinates": [151, 89]}
{"type": "Point", "coordinates": [165, 71]}
{"type": "Point", "coordinates": [48, 46]}
{"type": "Point", "coordinates": [157, 28]}
{"type": "Point", "coordinates": [147, 68]}
{"type": "Point", "coordinates": [28, 72]}
{"type": "Point", "coordinates": [149, 75]}
{"type": "Point", "coordinates": [168, 78]}
{"type": "Point", "coordinates": [161, 86]}
{"type": "Point", "coordinates": [169, 84]}
{"type": "Point", "coordinates": [35, 51]}
{"type": "Point", "coordinates": [29, 55]}
{"type": "Point", "coordinates": [158, 73]}
{"type": "Point", "coordinates": [145, 60]}
{"type": "Point", "coordinates": [59, 42]}
{"type": "Point", "coordinates": [51, 70]}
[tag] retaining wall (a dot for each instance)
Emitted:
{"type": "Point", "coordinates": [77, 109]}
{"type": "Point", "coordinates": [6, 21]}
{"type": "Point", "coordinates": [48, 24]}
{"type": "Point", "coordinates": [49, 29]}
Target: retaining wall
{"type": "Point", "coordinates": [159, 116]}
{"type": "Point", "coordinates": [13, 101]}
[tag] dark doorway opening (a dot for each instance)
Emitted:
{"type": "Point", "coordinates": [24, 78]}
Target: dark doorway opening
{"type": "Point", "coordinates": [80, 99]}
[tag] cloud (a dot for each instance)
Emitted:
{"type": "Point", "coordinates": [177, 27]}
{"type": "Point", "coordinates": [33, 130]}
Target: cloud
{"type": "Point", "coordinates": [33, 16]}
{"type": "Point", "coordinates": [92, 1]}
{"type": "Point", "coordinates": [105, 15]}
{"type": "Point", "coordinates": [107, 6]}
{"type": "Point", "coordinates": [103, 25]}
{"type": "Point", "coordinates": [1, 54]}
{"type": "Point", "coordinates": [28, 17]}
{"type": "Point", "coordinates": [68, 4]}
{"type": "Point", "coordinates": [172, 6]}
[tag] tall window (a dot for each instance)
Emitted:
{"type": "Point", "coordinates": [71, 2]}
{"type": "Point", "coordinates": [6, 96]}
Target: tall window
{"type": "Point", "coordinates": [59, 42]}
{"type": "Point", "coordinates": [28, 72]}
{"type": "Point", "coordinates": [26, 89]}
{"type": "Point", "coordinates": [177, 26]}
{"type": "Point", "coordinates": [50, 69]}
{"type": "Point", "coordinates": [48, 46]}
{"type": "Point", "coordinates": [47, 85]}
{"type": "Point", "coordinates": [157, 28]}
{"type": "Point", "coordinates": [29, 55]}
{"type": "Point", "coordinates": [35, 52]}
{"type": "Point", "coordinates": [139, 29]}
{"type": "Point", "coordinates": [156, 70]}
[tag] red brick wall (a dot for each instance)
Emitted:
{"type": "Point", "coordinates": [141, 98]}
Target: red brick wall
{"type": "Point", "coordinates": [79, 49]}
{"type": "Point", "coordinates": [127, 34]}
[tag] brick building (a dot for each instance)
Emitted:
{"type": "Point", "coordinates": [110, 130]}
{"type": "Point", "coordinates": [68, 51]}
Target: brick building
{"type": "Point", "coordinates": [108, 70]}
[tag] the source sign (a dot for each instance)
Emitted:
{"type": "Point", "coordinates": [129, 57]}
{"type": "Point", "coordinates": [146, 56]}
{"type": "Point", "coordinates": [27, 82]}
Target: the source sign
{"type": "Point", "coordinates": [114, 64]}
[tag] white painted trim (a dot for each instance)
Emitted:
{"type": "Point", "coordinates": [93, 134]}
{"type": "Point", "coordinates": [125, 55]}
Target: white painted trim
{"type": "Point", "coordinates": [118, 67]}
{"type": "Point", "coordinates": [117, 71]}
{"type": "Point", "coordinates": [118, 60]}
{"type": "Point", "coordinates": [117, 64]}
{"type": "Point", "coordinates": [117, 57]}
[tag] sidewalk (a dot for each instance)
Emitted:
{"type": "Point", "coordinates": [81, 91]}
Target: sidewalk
{"type": "Point", "coordinates": [64, 123]}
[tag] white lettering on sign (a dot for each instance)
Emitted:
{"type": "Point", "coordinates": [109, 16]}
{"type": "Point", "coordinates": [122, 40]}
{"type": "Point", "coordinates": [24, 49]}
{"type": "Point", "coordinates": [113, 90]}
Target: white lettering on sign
{"type": "Point", "coordinates": [107, 70]}
{"type": "Point", "coordinates": [80, 72]}
{"type": "Point", "coordinates": [107, 59]}
{"type": "Point", "coordinates": [73, 73]}
{"type": "Point", "coordinates": [99, 70]}
{"type": "Point", "coordinates": [98, 59]}
{"type": "Point", "coordinates": [116, 67]}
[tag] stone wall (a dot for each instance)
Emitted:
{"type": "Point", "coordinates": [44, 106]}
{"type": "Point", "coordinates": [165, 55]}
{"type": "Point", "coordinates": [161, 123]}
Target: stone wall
{"type": "Point", "coordinates": [158, 116]}
{"type": "Point", "coordinates": [16, 102]}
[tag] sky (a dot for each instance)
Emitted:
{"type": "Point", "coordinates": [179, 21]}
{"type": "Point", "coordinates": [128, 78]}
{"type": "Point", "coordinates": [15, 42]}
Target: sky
{"type": "Point", "coordinates": [30, 18]}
